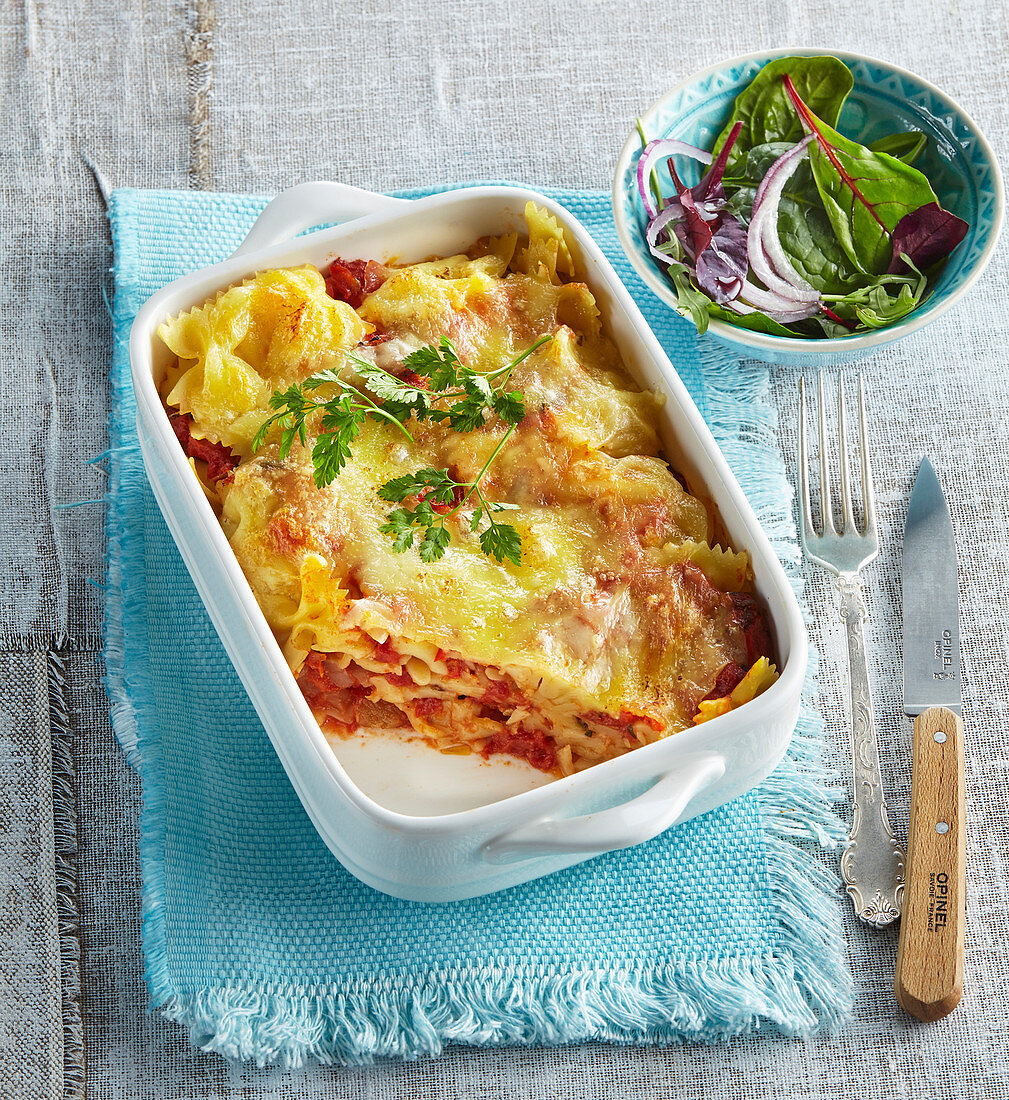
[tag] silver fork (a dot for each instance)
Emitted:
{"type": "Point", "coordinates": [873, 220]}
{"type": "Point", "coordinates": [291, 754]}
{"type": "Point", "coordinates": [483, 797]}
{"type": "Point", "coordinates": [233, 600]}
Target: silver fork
{"type": "Point", "coordinates": [872, 864]}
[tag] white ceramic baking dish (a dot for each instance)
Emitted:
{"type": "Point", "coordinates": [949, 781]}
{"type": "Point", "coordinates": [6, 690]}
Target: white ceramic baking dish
{"type": "Point", "coordinates": [405, 819]}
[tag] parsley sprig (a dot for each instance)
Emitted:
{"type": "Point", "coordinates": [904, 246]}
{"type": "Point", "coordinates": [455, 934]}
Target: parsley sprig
{"type": "Point", "coordinates": [446, 391]}
{"type": "Point", "coordinates": [438, 488]}
{"type": "Point", "coordinates": [342, 417]}
{"type": "Point", "coordinates": [471, 394]}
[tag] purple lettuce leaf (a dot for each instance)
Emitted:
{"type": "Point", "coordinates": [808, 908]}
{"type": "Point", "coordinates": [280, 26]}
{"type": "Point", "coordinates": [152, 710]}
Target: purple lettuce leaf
{"type": "Point", "coordinates": [721, 268]}
{"type": "Point", "coordinates": [926, 236]}
{"type": "Point", "coordinates": [713, 239]}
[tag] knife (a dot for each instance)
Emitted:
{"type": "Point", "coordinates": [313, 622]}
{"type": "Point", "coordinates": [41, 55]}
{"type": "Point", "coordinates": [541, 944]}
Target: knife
{"type": "Point", "coordinates": [929, 977]}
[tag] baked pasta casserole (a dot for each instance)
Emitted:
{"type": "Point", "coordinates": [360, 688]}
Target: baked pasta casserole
{"type": "Point", "coordinates": [599, 614]}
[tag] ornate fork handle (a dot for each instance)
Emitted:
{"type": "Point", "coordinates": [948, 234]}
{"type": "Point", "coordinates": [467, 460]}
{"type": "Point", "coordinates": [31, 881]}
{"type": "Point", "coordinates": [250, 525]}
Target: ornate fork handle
{"type": "Point", "coordinates": [872, 864]}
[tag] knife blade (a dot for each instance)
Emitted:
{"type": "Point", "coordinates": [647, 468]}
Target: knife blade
{"type": "Point", "coordinates": [929, 977]}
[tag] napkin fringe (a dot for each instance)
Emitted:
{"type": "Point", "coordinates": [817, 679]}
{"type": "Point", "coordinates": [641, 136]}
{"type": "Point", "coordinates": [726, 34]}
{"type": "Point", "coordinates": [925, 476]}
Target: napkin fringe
{"type": "Point", "coordinates": [132, 707]}
{"type": "Point", "coordinates": [126, 683]}
{"type": "Point", "coordinates": [413, 1018]}
{"type": "Point", "coordinates": [800, 989]}
{"type": "Point", "coordinates": [803, 987]}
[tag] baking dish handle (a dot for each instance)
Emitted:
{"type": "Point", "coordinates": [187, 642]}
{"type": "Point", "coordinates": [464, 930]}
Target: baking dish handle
{"type": "Point", "coordinates": [634, 822]}
{"type": "Point", "coordinates": [309, 204]}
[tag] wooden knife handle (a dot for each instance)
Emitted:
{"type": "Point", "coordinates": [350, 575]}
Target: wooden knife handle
{"type": "Point", "coordinates": [929, 977]}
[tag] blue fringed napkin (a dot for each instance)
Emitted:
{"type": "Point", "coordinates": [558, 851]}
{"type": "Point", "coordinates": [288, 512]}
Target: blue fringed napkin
{"type": "Point", "coordinates": [256, 938]}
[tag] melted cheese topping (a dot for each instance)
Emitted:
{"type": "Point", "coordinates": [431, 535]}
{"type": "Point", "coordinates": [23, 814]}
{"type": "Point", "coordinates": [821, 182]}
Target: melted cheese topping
{"type": "Point", "coordinates": [620, 605]}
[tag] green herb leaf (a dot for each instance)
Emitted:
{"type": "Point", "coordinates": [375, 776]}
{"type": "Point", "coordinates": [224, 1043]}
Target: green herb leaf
{"type": "Point", "coordinates": [474, 396]}
{"type": "Point", "coordinates": [397, 397]}
{"type": "Point", "coordinates": [478, 388]}
{"type": "Point", "coordinates": [292, 409]}
{"type": "Point", "coordinates": [341, 425]}
{"type": "Point", "coordinates": [883, 308]}
{"type": "Point", "coordinates": [510, 406]}
{"type": "Point", "coordinates": [331, 376]}
{"type": "Point", "coordinates": [503, 542]}
{"type": "Point", "coordinates": [884, 300]}
{"type": "Point", "coordinates": [467, 415]}
{"type": "Point", "coordinates": [399, 488]}
{"type": "Point", "coordinates": [433, 545]}
{"type": "Point", "coordinates": [437, 484]}
{"type": "Point", "coordinates": [439, 362]}
{"type": "Point", "coordinates": [399, 525]}
{"type": "Point", "coordinates": [264, 429]}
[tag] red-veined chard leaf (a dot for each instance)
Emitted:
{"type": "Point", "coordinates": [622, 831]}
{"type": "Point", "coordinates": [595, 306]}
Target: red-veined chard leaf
{"type": "Point", "coordinates": [926, 236]}
{"type": "Point", "coordinates": [865, 194]}
{"type": "Point", "coordinates": [697, 226]}
{"type": "Point", "coordinates": [765, 111]}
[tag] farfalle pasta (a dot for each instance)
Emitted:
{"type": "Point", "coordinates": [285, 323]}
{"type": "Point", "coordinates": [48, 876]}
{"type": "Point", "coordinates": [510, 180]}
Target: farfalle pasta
{"type": "Point", "coordinates": [624, 622]}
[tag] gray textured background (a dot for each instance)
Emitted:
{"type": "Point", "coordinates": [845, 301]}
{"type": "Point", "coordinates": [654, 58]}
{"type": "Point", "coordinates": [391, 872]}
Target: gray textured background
{"type": "Point", "coordinates": [255, 96]}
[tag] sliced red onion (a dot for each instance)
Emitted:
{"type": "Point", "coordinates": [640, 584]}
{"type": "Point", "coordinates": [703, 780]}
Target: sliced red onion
{"type": "Point", "coordinates": [768, 259]}
{"type": "Point", "coordinates": [672, 215]}
{"type": "Point", "coordinates": [776, 306]}
{"type": "Point", "coordinates": [720, 246]}
{"type": "Point", "coordinates": [660, 149]}
{"type": "Point", "coordinates": [665, 219]}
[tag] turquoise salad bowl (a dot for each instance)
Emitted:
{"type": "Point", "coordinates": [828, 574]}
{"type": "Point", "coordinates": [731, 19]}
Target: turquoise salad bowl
{"type": "Point", "coordinates": [885, 99]}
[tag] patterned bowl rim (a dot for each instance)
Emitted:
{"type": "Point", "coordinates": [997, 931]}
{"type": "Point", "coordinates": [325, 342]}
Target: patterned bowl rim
{"type": "Point", "coordinates": [629, 234]}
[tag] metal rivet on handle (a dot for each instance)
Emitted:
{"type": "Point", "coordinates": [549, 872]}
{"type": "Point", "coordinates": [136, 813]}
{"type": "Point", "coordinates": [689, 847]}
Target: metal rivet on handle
{"type": "Point", "coordinates": [939, 736]}
{"type": "Point", "coordinates": [941, 827]}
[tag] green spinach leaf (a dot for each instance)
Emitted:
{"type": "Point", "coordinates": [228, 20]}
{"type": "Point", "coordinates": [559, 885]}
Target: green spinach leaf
{"type": "Point", "coordinates": [906, 146]}
{"type": "Point", "coordinates": [831, 329]}
{"type": "Point", "coordinates": [755, 322]}
{"type": "Point", "coordinates": [767, 113]}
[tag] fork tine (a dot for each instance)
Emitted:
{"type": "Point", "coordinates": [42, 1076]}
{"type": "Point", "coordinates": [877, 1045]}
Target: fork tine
{"type": "Point", "coordinates": [805, 512]}
{"type": "Point", "coordinates": [868, 493]}
{"type": "Point", "coordinates": [826, 499]}
{"type": "Point", "coordinates": [847, 511]}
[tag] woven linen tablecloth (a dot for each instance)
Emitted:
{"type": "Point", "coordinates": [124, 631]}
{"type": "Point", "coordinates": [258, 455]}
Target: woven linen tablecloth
{"type": "Point", "coordinates": [249, 97]}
